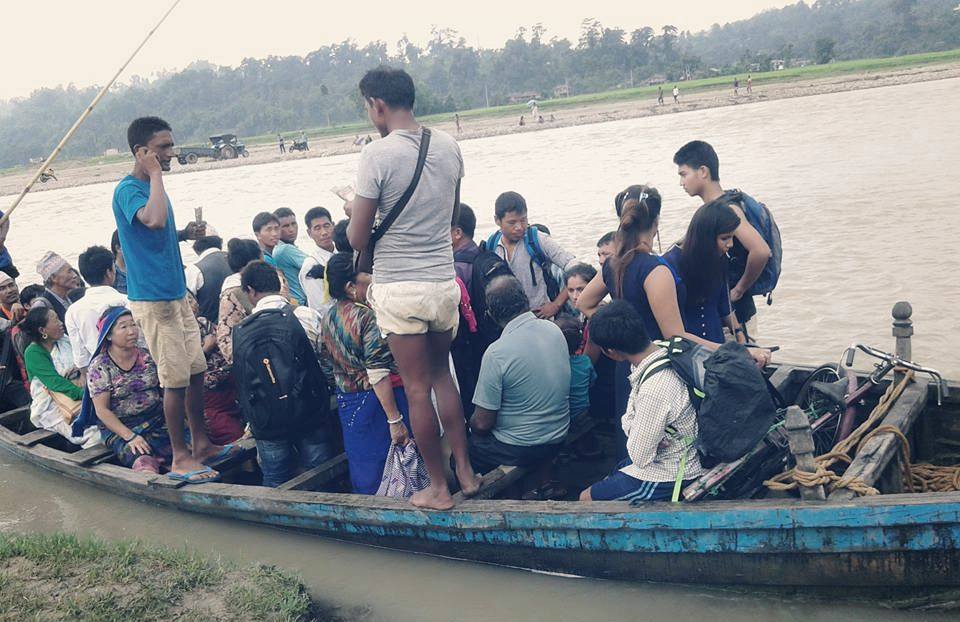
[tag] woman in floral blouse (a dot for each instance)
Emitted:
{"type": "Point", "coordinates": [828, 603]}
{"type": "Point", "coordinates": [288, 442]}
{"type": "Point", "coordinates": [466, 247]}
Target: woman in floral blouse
{"type": "Point", "coordinates": [234, 304]}
{"type": "Point", "coordinates": [370, 397]}
{"type": "Point", "coordinates": [122, 382]}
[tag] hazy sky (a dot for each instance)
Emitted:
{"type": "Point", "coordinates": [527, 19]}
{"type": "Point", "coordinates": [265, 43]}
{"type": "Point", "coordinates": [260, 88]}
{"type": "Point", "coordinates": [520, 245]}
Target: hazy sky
{"type": "Point", "coordinates": [63, 41]}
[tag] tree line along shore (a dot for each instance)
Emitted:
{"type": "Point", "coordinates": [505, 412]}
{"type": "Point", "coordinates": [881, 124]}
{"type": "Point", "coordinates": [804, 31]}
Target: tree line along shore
{"type": "Point", "coordinates": [562, 112]}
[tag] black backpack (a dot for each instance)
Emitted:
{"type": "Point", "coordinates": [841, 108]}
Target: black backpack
{"type": "Point", "coordinates": [280, 388]}
{"type": "Point", "coordinates": [734, 401]}
{"type": "Point", "coordinates": [486, 267]}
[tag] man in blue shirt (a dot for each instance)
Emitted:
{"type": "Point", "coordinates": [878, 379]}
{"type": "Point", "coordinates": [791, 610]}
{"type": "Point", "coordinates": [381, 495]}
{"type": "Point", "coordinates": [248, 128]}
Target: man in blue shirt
{"type": "Point", "coordinates": [157, 291]}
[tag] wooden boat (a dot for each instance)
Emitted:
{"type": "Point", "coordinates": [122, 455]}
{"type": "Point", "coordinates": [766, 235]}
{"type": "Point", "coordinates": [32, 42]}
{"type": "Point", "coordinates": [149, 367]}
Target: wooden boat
{"type": "Point", "coordinates": [892, 539]}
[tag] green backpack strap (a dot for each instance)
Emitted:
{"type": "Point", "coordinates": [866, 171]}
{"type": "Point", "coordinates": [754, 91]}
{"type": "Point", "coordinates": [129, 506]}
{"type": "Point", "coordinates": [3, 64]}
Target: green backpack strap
{"type": "Point", "coordinates": [653, 369]}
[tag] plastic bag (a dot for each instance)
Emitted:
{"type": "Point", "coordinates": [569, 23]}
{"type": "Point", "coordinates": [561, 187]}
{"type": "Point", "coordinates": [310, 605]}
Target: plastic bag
{"type": "Point", "coordinates": [404, 472]}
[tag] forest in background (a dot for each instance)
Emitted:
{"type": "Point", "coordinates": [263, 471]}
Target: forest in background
{"type": "Point", "coordinates": [282, 94]}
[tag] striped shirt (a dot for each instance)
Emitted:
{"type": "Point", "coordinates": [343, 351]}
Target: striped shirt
{"type": "Point", "coordinates": [661, 400]}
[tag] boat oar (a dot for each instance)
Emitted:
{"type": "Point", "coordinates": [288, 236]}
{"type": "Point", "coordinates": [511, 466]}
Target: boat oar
{"type": "Point", "coordinates": [45, 167]}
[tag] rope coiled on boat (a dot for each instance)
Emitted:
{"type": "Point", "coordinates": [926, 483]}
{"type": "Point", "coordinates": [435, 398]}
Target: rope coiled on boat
{"type": "Point", "coordinates": [845, 450]}
{"type": "Point", "coordinates": [917, 478]}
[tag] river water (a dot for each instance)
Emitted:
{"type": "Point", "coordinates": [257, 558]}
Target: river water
{"type": "Point", "coordinates": [859, 183]}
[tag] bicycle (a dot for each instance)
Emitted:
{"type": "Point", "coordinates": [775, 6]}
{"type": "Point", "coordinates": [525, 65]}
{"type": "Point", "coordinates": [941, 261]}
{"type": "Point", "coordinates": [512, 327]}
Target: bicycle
{"type": "Point", "coordinates": [832, 397]}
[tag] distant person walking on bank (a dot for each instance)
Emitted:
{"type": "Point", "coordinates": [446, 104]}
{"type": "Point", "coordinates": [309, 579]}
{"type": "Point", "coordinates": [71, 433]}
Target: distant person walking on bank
{"type": "Point", "coordinates": [676, 94]}
{"type": "Point", "coordinates": [283, 147]}
{"type": "Point", "coordinates": [456, 118]}
{"type": "Point", "coordinates": [158, 296]}
{"type": "Point", "coordinates": [414, 293]}
{"type": "Point", "coordinates": [736, 87]}
{"type": "Point", "coordinates": [749, 84]}
{"type": "Point", "coordinates": [659, 95]}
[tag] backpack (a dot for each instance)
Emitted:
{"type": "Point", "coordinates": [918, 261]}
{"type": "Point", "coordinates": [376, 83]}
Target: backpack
{"type": "Point", "coordinates": [760, 217]}
{"type": "Point", "coordinates": [735, 406]}
{"type": "Point", "coordinates": [485, 267]}
{"type": "Point", "coordinates": [531, 240]}
{"type": "Point", "coordinates": [280, 388]}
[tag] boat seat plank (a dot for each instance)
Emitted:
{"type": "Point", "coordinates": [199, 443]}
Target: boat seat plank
{"type": "Point", "coordinates": [500, 479]}
{"type": "Point", "coordinates": [35, 437]}
{"type": "Point", "coordinates": [319, 475]}
{"type": "Point", "coordinates": [89, 456]}
{"type": "Point", "coordinates": [876, 454]}
{"type": "Point", "coordinates": [13, 416]}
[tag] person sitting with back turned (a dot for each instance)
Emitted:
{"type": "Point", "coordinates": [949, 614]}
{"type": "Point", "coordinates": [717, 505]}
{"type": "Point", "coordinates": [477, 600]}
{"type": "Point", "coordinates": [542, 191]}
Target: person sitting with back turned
{"type": "Point", "coordinates": [370, 399]}
{"type": "Point", "coordinates": [699, 170]}
{"type": "Point", "coordinates": [414, 293]}
{"type": "Point", "coordinates": [475, 267]}
{"type": "Point", "coordinates": [340, 240]}
{"type": "Point", "coordinates": [287, 256]}
{"type": "Point", "coordinates": [660, 423]}
{"type": "Point", "coordinates": [54, 379]}
{"type": "Point", "coordinates": [531, 255]}
{"type": "Point", "coordinates": [83, 317]}
{"type": "Point", "coordinates": [58, 278]}
{"type": "Point", "coordinates": [522, 397]}
{"type": "Point", "coordinates": [234, 304]}
{"type": "Point", "coordinates": [205, 277]}
{"type": "Point", "coordinates": [220, 409]}
{"type": "Point", "coordinates": [319, 224]}
{"type": "Point", "coordinates": [582, 374]}
{"type": "Point", "coordinates": [274, 350]}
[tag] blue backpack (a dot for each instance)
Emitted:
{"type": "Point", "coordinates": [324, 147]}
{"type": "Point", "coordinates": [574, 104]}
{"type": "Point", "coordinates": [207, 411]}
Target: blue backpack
{"type": "Point", "coordinates": [551, 275]}
{"type": "Point", "coordinates": [760, 217]}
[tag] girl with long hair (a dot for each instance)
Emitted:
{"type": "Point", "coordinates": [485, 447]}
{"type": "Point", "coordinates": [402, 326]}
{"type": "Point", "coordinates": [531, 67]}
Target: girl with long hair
{"type": "Point", "coordinates": [701, 261]}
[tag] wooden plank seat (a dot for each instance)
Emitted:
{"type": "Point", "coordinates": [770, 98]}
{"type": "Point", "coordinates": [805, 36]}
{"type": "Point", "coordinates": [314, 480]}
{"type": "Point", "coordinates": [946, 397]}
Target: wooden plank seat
{"type": "Point", "coordinates": [36, 437]}
{"type": "Point", "coordinates": [504, 477]}
{"type": "Point", "coordinates": [89, 456]}
{"type": "Point", "coordinates": [14, 416]}
{"type": "Point", "coordinates": [319, 475]}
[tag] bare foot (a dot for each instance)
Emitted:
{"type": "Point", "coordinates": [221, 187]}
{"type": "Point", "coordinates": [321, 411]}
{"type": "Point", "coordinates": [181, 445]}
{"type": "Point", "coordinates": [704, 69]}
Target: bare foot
{"type": "Point", "coordinates": [469, 485]}
{"type": "Point", "coordinates": [432, 499]}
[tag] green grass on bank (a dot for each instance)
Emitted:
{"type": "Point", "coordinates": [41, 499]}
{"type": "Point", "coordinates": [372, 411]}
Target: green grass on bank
{"type": "Point", "coordinates": [811, 72]}
{"type": "Point", "coordinates": [61, 577]}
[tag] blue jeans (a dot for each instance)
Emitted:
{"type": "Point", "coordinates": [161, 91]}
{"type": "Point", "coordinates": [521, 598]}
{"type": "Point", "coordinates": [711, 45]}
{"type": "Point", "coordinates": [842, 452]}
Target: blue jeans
{"type": "Point", "coordinates": [278, 459]}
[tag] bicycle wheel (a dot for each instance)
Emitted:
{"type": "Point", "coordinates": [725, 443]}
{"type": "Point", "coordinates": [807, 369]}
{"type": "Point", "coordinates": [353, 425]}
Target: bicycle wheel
{"type": "Point", "coordinates": [824, 414]}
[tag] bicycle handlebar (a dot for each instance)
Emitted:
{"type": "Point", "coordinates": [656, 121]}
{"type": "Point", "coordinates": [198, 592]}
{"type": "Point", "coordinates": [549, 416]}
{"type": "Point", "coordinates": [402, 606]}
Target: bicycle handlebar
{"type": "Point", "coordinates": [943, 390]}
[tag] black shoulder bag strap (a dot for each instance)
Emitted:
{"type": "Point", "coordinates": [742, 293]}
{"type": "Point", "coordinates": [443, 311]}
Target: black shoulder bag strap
{"type": "Point", "coordinates": [364, 259]}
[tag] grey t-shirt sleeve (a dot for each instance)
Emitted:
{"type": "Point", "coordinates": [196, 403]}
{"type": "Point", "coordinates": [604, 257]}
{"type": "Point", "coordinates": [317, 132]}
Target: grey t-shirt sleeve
{"type": "Point", "coordinates": [489, 391]}
{"type": "Point", "coordinates": [369, 176]}
{"type": "Point", "coordinates": [559, 257]}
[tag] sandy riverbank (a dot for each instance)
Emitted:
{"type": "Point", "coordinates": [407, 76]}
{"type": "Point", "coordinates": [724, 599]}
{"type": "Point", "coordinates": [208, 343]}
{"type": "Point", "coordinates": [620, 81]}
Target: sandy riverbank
{"type": "Point", "coordinates": [77, 173]}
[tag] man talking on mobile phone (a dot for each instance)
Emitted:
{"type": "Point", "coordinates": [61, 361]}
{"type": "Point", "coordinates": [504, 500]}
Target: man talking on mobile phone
{"type": "Point", "coordinates": [157, 291]}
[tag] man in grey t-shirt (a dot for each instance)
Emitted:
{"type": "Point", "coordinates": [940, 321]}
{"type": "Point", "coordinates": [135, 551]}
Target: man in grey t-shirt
{"type": "Point", "coordinates": [414, 293]}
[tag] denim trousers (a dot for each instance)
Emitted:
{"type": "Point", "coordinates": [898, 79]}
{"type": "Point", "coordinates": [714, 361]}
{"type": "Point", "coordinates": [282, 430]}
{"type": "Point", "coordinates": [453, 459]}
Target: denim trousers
{"type": "Point", "coordinates": [279, 458]}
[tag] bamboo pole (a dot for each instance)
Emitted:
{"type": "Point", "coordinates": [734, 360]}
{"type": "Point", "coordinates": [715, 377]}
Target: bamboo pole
{"type": "Point", "coordinates": [83, 117]}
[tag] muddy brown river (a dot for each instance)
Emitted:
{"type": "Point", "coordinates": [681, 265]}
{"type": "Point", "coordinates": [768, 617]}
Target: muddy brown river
{"type": "Point", "coordinates": [863, 188]}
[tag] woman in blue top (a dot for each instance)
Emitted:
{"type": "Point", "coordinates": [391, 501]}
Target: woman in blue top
{"type": "Point", "coordinates": [647, 281]}
{"type": "Point", "coordinates": [701, 262]}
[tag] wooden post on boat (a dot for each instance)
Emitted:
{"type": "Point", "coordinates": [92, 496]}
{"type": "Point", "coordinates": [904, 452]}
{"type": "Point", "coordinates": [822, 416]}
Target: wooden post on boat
{"type": "Point", "coordinates": [903, 331]}
{"type": "Point", "coordinates": [800, 436]}
{"type": "Point", "coordinates": [891, 480]}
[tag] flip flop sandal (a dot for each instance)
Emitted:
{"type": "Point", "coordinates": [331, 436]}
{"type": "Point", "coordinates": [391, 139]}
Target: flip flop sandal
{"type": "Point", "coordinates": [226, 452]}
{"type": "Point", "coordinates": [194, 477]}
